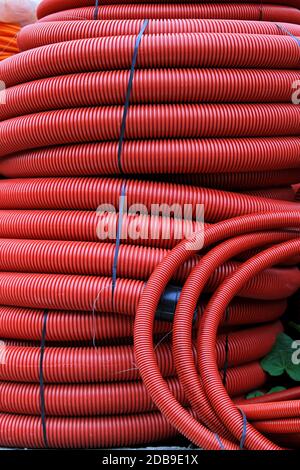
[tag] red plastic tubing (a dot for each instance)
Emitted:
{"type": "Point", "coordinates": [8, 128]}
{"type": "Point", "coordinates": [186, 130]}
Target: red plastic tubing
{"type": "Point", "coordinates": [211, 105]}
{"type": "Point", "coordinates": [90, 193]}
{"type": "Point", "coordinates": [116, 363]}
{"type": "Point", "coordinates": [143, 335]}
{"type": "Point", "coordinates": [26, 431]}
{"type": "Point", "coordinates": [53, 257]}
{"type": "Point", "coordinates": [188, 374]}
{"type": "Point", "coordinates": [252, 12]}
{"type": "Point", "coordinates": [149, 86]}
{"type": "Point", "coordinates": [152, 122]}
{"type": "Point", "coordinates": [63, 326]}
{"type": "Point", "coordinates": [41, 34]}
{"type": "Point", "coordinates": [48, 7]}
{"type": "Point", "coordinates": [212, 169]}
{"type": "Point", "coordinates": [114, 53]}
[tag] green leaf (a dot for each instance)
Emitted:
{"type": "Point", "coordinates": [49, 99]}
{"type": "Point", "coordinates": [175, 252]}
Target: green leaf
{"type": "Point", "coordinates": [256, 393]}
{"type": "Point", "coordinates": [259, 393]}
{"type": "Point", "coordinates": [281, 359]}
{"type": "Point", "coordinates": [293, 366]}
{"type": "Point", "coordinates": [276, 390]}
{"type": "Point", "coordinates": [275, 362]}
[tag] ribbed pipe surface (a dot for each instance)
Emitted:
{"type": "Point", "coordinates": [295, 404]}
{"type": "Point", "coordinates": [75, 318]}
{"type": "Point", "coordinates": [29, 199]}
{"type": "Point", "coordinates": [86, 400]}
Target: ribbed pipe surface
{"type": "Point", "coordinates": [213, 105]}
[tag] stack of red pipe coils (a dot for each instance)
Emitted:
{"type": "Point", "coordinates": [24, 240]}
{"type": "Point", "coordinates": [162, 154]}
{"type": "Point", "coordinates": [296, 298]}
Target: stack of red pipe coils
{"type": "Point", "coordinates": [211, 104]}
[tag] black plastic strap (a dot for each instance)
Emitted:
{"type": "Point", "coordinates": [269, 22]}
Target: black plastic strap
{"type": "Point", "coordinates": [96, 9]}
{"type": "Point", "coordinates": [128, 93]}
{"type": "Point", "coordinates": [220, 442]}
{"type": "Point", "coordinates": [118, 239]}
{"type": "Point", "coordinates": [285, 30]}
{"type": "Point", "coordinates": [225, 368]}
{"type": "Point", "coordinates": [244, 434]}
{"type": "Point", "coordinates": [261, 11]}
{"type": "Point", "coordinates": [168, 304]}
{"type": "Point", "coordinates": [42, 390]}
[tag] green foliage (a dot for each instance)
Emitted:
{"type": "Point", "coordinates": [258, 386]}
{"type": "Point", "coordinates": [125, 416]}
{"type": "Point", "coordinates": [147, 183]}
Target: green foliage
{"type": "Point", "coordinates": [259, 393]}
{"type": "Point", "coordinates": [280, 360]}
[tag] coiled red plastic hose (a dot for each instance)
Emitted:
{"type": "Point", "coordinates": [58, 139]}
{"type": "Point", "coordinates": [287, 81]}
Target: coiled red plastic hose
{"type": "Point", "coordinates": [143, 334]}
{"type": "Point", "coordinates": [254, 12]}
{"type": "Point", "coordinates": [81, 400]}
{"type": "Point", "coordinates": [138, 157]}
{"type": "Point", "coordinates": [116, 363]}
{"type": "Point", "coordinates": [77, 258]}
{"type": "Point", "coordinates": [90, 193]}
{"type": "Point", "coordinates": [188, 375]}
{"type": "Point", "coordinates": [114, 53]}
{"type": "Point", "coordinates": [150, 86]}
{"type": "Point", "coordinates": [152, 122]}
{"type": "Point", "coordinates": [48, 7]}
{"type": "Point", "coordinates": [112, 431]}
{"type": "Point", "coordinates": [63, 325]}
{"type": "Point", "coordinates": [216, 112]}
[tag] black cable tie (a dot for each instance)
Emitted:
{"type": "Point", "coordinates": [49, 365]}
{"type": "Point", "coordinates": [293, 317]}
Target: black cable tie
{"type": "Point", "coordinates": [244, 434]}
{"type": "Point", "coordinates": [261, 12]}
{"type": "Point", "coordinates": [225, 368]}
{"type": "Point", "coordinates": [96, 10]}
{"type": "Point", "coordinates": [128, 93]}
{"type": "Point", "coordinates": [220, 442]}
{"type": "Point", "coordinates": [118, 239]}
{"type": "Point", "coordinates": [285, 30]}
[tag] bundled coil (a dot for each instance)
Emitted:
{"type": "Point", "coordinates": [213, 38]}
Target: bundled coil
{"type": "Point", "coordinates": [167, 104]}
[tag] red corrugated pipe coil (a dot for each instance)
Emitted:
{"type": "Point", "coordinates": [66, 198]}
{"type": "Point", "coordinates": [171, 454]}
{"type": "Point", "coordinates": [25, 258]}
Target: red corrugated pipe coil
{"type": "Point", "coordinates": [211, 105]}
